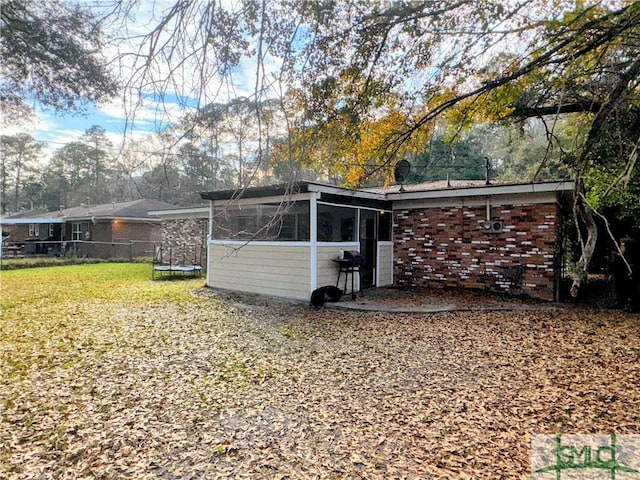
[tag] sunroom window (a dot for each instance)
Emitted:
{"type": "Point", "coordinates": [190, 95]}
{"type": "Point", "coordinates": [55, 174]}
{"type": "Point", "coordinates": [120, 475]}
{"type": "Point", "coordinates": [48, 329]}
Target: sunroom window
{"type": "Point", "coordinates": [336, 224]}
{"type": "Point", "coordinates": [265, 222]}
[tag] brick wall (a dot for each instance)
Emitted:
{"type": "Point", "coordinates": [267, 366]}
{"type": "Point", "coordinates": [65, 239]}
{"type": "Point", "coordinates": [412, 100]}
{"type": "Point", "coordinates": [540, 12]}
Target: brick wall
{"type": "Point", "coordinates": [447, 247]}
{"type": "Point", "coordinates": [187, 239]}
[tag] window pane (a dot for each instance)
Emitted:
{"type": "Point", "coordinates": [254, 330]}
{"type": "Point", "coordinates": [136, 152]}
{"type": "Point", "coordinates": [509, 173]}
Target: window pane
{"type": "Point", "coordinates": [336, 224]}
{"type": "Point", "coordinates": [270, 222]}
{"type": "Point", "coordinates": [384, 226]}
{"type": "Point", "coordinates": [77, 231]}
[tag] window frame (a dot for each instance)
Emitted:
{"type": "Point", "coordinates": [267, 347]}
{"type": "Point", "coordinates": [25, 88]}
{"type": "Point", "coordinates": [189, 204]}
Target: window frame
{"type": "Point", "coordinates": [259, 222]}
{"type": "Point", "coordinates": [342, 227]}
{"type": "Point", "coordinates": [76, 231]}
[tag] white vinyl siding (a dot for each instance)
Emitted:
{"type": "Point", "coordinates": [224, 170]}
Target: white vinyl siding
{"type": "Point", "coordinates": [274, 269]}
{"type": "Point", "coordinates": [385, 264]}
{"type": "Point", "coordinates": [328, 270]}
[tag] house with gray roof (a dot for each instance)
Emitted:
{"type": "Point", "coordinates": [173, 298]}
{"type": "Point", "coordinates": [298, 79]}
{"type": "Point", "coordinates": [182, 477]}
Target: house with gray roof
{"type": "Point", "coordinates": [112, 230]}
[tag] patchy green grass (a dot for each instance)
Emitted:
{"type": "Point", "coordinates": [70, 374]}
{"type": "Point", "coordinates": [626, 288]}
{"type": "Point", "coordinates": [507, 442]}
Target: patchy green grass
{"type": "Point", "coordinates": [92, 350]}
{"type": "Point", "coordinates": [51, 315]}
{"type": "Point", "coordinates": [11, 263]}
{"type": "Point", "coordinates": [63, 286]}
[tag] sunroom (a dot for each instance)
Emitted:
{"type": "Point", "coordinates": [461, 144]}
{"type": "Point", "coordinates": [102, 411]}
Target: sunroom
{"type": "Point", "coordinates": [283, 240]}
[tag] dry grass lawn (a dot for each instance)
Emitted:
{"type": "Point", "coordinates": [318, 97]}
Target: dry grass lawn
{"type": "Point", "coordinates": [105, 374]}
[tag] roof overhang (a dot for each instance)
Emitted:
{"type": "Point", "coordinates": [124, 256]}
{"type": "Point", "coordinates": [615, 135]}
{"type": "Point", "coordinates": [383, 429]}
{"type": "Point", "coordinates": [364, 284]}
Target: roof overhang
{"type": "Point", "coordinates": [29, 221]}
{"type": "Point", "coordinates": [541, 192]}
{"type": "Point", "coordinates": [513, 194]}
{"type": "Point", "coordinates": [111, 219]}
{"type": "Point", "coordinates": [288, 191]}
{"type": "Point", "coordinates": [485, 190]}
{"type": "Point", "coordinates": [177, 213]}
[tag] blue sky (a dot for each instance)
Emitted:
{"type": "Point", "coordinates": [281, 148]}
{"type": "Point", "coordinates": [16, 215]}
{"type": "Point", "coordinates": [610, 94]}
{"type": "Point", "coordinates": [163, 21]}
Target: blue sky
{"type": "Point", "coordinates": [56, 129]}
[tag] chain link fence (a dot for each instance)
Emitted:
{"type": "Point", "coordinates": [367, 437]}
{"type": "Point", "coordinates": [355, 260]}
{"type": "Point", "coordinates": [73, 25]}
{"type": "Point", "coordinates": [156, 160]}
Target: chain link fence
{"type": "Point", "coordinates": [80, 249]}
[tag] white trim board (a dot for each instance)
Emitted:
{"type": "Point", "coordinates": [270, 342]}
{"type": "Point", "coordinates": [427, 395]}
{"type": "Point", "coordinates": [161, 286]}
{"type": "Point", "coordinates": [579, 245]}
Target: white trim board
{"type": "Point", "coordinates": [476, 201]}
{"type": "Point", "coordinates": [179, 213]}
{"type": "Point", "coordinates": [484, 191]}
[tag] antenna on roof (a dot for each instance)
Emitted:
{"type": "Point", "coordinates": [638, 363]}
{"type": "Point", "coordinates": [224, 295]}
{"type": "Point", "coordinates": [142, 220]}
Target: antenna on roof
{"type": "Point", "coordinates": [400, 172]}
{"type": "Point", "coordinates": [487, 169]}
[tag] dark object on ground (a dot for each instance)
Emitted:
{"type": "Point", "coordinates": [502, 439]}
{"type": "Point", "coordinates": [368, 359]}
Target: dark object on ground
{"type": "Point", "coordinates": [325, 294]}
{"type": "Point", "coordinates": [627, 283]}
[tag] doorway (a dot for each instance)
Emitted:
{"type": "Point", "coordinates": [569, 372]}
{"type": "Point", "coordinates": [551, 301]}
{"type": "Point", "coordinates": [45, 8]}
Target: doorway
{"type": "Point", "coordinates": [368, 246]}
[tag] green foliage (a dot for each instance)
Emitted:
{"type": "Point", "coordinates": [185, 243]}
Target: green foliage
{"type": "Point", "coordinates": [50, 53]}
{"type": "Point", "coordinates": [168, 184]}
{"type": "Point", "coordinates": [20, 154]}
{"type": "Point", "coordinates": [79, 172]}
{"type": "Point", "coordinates": [616, 193]}
{"type": "Point", "coordinates": [457, 159]}
{"type": "Point", "coordinates": [526, 155]}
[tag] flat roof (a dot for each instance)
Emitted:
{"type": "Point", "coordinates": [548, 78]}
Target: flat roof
{"type": "Point", "coordinates": [289, 189]}
{"type": "Point", "coordinates": [457, 188]}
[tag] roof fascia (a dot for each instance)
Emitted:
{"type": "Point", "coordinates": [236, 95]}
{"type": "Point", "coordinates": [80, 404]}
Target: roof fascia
{"type": "Point", "coordinates": [345, 192]}
{"type": "Point", "coordinates": [284, 190]}
{"type": "Point", "coordinates": [488, 190]}
{"type": "Point", "coordinates": [261, 200]}
{"type": "Point", "coordinates": [255, 192]}
{"type": "Point", "coordinates": [112, 218]}
{"type": "Point", "coordinates": [195, 212]}
{"type": "Point", "coordinates": [28, 221]}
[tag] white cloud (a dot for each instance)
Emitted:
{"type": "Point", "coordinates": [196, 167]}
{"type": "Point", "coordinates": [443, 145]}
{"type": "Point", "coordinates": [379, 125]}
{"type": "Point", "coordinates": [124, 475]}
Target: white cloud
{"type": "Point", "coordinates": [143, 112]}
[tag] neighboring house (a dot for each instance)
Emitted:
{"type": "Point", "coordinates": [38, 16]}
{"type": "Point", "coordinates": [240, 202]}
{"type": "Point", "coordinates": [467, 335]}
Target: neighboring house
{"type": "Point", "coordinates": [36, 233]}
{"type": "Point", "coordinates": [184, 235]}
{"type": "Point", "coordinates": [283, 240]}
{"type": "Point", "coordinates": [101, 231]}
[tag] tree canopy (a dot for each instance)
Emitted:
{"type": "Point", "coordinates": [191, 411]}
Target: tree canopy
{"type": "Point", "coordinates": [17, 169]}
{"type": "Point", "coordinates": [50, 53]}
{"type": "Point", "coordinates": [363, 82]}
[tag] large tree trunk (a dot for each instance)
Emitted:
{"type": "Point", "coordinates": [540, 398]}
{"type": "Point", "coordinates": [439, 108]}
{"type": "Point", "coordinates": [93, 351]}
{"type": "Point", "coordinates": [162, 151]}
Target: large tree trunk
{"type": "Point", "coordinates": [16, 193]}
{"type": "Point", "coordinates": [583, 218]}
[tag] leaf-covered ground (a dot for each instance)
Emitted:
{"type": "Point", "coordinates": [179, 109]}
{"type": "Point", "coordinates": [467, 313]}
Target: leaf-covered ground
{"type": "Point", "coordinates": [106, 374]}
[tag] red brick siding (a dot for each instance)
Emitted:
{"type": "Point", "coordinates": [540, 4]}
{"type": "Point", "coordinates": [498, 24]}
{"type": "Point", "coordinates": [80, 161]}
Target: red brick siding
{"type": "Point", "coordinates": [447, 247]}
{"type": "Point", "coordinates": [142, 235]}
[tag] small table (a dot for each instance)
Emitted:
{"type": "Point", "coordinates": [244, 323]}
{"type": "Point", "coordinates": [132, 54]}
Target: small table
{"type": "Point", "coordinates": [348, 267]}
